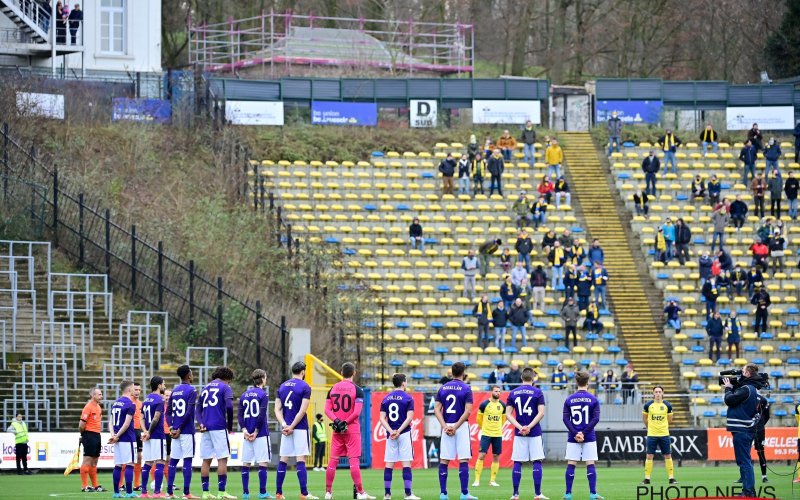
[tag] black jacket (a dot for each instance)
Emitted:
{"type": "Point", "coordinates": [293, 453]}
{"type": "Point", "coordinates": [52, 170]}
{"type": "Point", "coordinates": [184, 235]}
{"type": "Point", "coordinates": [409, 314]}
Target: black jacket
{"type": "Point", "coordinates": [447, 167]}
{"type": "Point", "coordinates": [415, 230]}
{"type": "Point", "coordinates": [738, 209]}
{"type": "Point", "coordinates": [749, 155]}
{"type": "Point", "coordinates": [761, 300]}
{"type": "Point", "coordinates": [710, 292]}
{"type": "Point", "coordinates": [714, 327]}
{"type": "Point", "coordinates": [518, 316]}
{"type": "Point", "coordinates": [725, 262]}
{"type": "Point", "coordinates": [651, 167]}
{"type": "Point", "coordinates": [683, 235]}
{"type": "Point", "coordinates": [713, 136]}
{"type": "Point", "coordinates": [496, 165]}
{"type": "Point", "coordinates": [528, 136]}
{"type": "Point", "coordinates": [500, 317]}
{"type": "Point", "coordinates": [790, 188]}
{"type": "Point", "coordinates": [524, 246]}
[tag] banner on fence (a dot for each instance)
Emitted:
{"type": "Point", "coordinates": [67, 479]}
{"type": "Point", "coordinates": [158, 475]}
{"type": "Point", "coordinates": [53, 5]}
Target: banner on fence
{"type": "Point", "coordinates": [142, 110]}
{"type": "Point", "coordinates": [254, 112]}
{"type": "Point", "coordinates": [630, 112]}
{"type": "Point", "coordinates": [36, 104]}
{"type": "Point", "coordinates": [780, 444]}
{"type": "Point", "coordinates": [379, 433]}
{"type": "Point", "coordinates": [767, 117]}
{"type": "Point", "coordinates": [632, 444]}
{"type": "Point", "coordinates": [360, 114]}
{"type": "Point", "coordinates": [423, 113]}
{"type": "Point", "coordinates": [511, 112]}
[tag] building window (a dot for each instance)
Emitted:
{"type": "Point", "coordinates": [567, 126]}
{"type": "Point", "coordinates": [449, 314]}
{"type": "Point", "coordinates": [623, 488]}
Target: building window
{"type": "Point", "coordinates": [112, 26]}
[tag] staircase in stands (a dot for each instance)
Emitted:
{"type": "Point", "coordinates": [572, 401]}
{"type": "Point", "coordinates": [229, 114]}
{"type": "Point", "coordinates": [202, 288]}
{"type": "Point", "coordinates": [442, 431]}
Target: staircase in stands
{"type": "Point", "coordinates": [637, 302]}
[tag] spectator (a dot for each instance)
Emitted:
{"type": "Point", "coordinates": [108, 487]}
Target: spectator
{"type": "Point", "coordinates": [759, 251]}
{"type": "Point", "coordinates": [576, 253]}
{"type": "Point", "coordinates": [528, 140]}
{"type": "Point", "coordinates": [797, 143]}
{"type": "Point", "coordinates": [558, 380]}
{"type": "Point", "coordinates": [738, 212]}
{"type": "Point", "coordinates": [522, 210]}
{"type": "Point", "coordinates": [548, 240]}
{"type": "Point", "coordinates": [524, 247]}
{"type": "Point", "coordinates": [485, 252]}
{"type": "Point", "coordinates": [488, 147]}
{"type": "Point", "coordinates": [709, 136]}
{"type": "Point", "coordinates": [715, 330]}
{"type": "Point", "coordinates": [415, 238]}
{"type": "Point", "coordinates": [596, 253]}
{"type": "Point", "coordinates": [661, 246]}
{"type": "Point", "coordinates": [500, 320]}
{"type": "Point", "coordinates": [473, 148]}
{"type": "Point", "coordinates": [518, 316]}
{"type": "Point", "coordinates": [508, 291]}
{"type": "Point", "coordinates": [748, 155]}
{"type": "Point", "coordinates": [594, 378]}
{"type": "Point", "coordinates": [496, 167]}
{"type": "Point", "coordinates": [762, 302]}
{"type": "Point", "coordinates": [723, 281]}
{"type": "Point", "coordinates": [704, 268]}
{"type": "Point", "coordinates": [758, 187]}
{"type": "Point", "coordinates": [725, 261]}
{"type": "Point", "coordinates": [554, 157]}
{"type": "Point", "coordinates": [610, 384]}
{"type": "Point", "coordinates": [790, 188]}
{"type": "Point", "coordinates": [764, 231]}
{"type": "Point", "coordinates": [754, 280]}
{"type": "Point", "coordinates": [507, 145]}
{"type": "Point", "coordinates": [448, 169]}
{"type": "Point", "coordinates": [629, 380]}
{"type": "Point", "coordinates": [673, 312]}
{"type": "Point", "coordinates": [720, 219]}
{"type": "Point", "coordinates": [483, 312]}
{"type": "Point", "coordinates": [464, 168]}
{"type": "Point", "coordinates": [469, 265]}
{"type": "Point", "coordinates": [733, 327]}
{"type": "Point", "coordinates": [669, 145]}
{"type": "Point", "coordinates": [710, 293]}
{"type": "Point", "coordinates": [505, 260]}
{"type": "Point", "coordinates": [669, 235]}
{"type": "Point", "coordinates": [614, 127]}
{"type": "Point", "coordinates": [519, 276]}
{"type": "Point", "coordinates": [447, 377]}
{"type": "Point", "coordinates": [583, 287]}
{"type": "Point", "coordinates": [497, 376]}
{"type": "Point", "coordinates": [755, 137]}
{"type": "Point", "coordinates": [61, 25]}
{"type": "Point", "coordinates": [641, 203]}
{"type": "Point", "coordinates": [75, 20]}
{"type": "Point", "coordinates": [557, 258]}
{"type": "Point", "coordinates": [775, 192]}
{"type": "Point", "coordinates": [772, 154]}
{"type": "Point", "coordinates": [716, 269]}
{"type": "Point", "coordinates": [738, 279]}
{"type": "Point", "coordinates": [592, 322]}
{"type": "Point", "coordinates": [546, 188]}
{"type": "Point", "coordinates": [777, 250]}
{"type": "Point", "coordinates": [570, 314]}
{"type": "Point", "coordinates": [714, 191]}
{"type": "Point", "coordinates": [600, 278]}
{"type": "Point", "coordinates": [562, 191]}
{"type": "Point", "coordinates": [539, 212]}
{"type": "Point", "coordinates": [698, 188]}
{"type": "Point", "coordinates": [538, 284]}
{"type": "Point", "coordinates": [683, 238]}
{"type": "Point", "coordinates": [650, 166]}
{"type": "Point", "coordinates": [570, 280]}
{"type": "Point", "coordinates": [478, 173]}
{"type": "Point", "coordinates": [514, 376]}
{"type": "Point", "coordinates": [566, 240]}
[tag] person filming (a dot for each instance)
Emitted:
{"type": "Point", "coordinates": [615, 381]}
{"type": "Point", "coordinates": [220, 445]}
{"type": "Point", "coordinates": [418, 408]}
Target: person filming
{"type": "Point", "coordinates": [743, 417]}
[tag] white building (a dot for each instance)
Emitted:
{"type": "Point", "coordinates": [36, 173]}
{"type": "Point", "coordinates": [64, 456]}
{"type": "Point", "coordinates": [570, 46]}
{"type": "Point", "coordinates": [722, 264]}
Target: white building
{"type": "Point", "coordinates": [115, 36]}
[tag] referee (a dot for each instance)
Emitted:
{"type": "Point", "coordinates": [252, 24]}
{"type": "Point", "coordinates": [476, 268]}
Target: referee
{"type": "Point", "coordinates": [89, 427]}
{"type": "Point", "coordinates": [491, 417]}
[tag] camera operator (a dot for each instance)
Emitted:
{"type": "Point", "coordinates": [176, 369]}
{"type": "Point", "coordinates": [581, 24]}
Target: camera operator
{"type": "Point", "coordinates": [743, 417]}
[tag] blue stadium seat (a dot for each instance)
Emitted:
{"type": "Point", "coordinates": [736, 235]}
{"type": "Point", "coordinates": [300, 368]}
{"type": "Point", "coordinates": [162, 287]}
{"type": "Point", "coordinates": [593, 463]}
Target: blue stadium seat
{"type": "Point", "coordinates": [437, 325]}
{"type": "Point", "coordinates": [793, 361]}
{"type": "Point", "coordinates": [724, 362]}
{"type": "Point", "coordinates": [622, 362]}
{"type": "Point", "coordinates": [785, 387]}
{"type": "Point", "coordinates": [552, 362]}
{"type": "Point", "coordinates": [447, 362]}
{"type": "Point", "coordinates": [604, 362]}
{"type": "Point", "coordinates": [697, 387]}
{"type": "Point", "coordinates": [511, 350]}
{"type": "Point", "coordinates": [402, 324]}
{"type": "Point", "coordinates": [592, 336]}
{"type": "Point", "coordinates": [781, 413]}
{"type": "Point", "coordinates": [716, 400]}
{"type": "Point", "coordinates": [396, 362]}
{"type": "Point", "coordinates": [434, 376]}
{"type": "Point", "coordinates": [331, 239]}
{"type": "Point", "coordinates": [709, 413]}
{"type": "Point", "coordinates": [723, 413]}
{"type": "Point", "coordinates": [546, 349]}
{"type": "Point", "coordinates": [417, 376]}
{"type": "Point", "coordinates": [562, 350]}
{"type": "Point", "coordinates": [614, 349]}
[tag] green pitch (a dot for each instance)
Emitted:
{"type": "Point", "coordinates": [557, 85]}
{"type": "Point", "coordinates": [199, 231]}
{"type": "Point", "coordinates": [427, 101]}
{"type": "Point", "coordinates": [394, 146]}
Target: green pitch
{"type": "Point", "coordinates": [615, 483]}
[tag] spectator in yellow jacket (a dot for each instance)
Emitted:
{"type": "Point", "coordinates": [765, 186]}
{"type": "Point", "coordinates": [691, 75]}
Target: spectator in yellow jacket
{"type": "Point", "coordinates": [554, 157]}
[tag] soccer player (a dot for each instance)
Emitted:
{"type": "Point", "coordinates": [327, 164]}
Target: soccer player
{"type": "Point", "coordinates": [153, 437]}
{"type": "Point", "coordinates": [253, 408]}
{"type": "Point", "coordinates": [524, 410]}
{"type": "Point", "coordinates": [215, 416]}
{"type": "Point", "coordinates": [581, 415]}
{"type": "Point", "coordinates": [343, 406]}
{"type": "Point", "coordinates": [90, 427]}
{"type": "Point", "coordinates": [657, 415]}
{"type": "Point", "coordinates": [182, 402]}
{"type": "Point", "coordinates": [452, 406]}
{"type": "Point", "coordinates": [397, 413]}
{"type": "Point", "coordinates": [491, 418]}
{"type": "Point", "coordinates": [123, 437]}
{"type": "Point", "coordinates": [291, 405]}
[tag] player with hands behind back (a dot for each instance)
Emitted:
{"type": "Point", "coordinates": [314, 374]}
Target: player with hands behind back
{"type": "Point", "coordinates": [524, 410]}
{"type": "Point", "coordinates": [581, 415]}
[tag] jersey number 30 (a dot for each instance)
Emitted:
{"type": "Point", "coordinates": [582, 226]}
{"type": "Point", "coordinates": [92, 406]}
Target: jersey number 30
{"type": "Point", "coordinates": [341, 402]}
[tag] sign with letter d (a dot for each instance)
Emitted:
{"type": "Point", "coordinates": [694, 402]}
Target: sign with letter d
{"type": "Point", "coordinates": [424, 113]}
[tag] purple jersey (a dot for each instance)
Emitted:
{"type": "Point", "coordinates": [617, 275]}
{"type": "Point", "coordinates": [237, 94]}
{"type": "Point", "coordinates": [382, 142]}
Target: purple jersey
{"type": "Point", "coordinates": [525, 400]}
{"type": "Point", "coordinates": [396, 405]}
{"type": "Point", "coordinates": [581, 414]}
{"type": "Point", "coordinates": [119, 410]}
{"type": "Point", "coordinates": [253, 411]}
{"type": "Point", "coordinates": [292, 393]}
{"type": "Point", "coordinates": [215, 406]}
{"type": "Point", "coordinates": [153, 404]}
{"type": "Point", "coordinates": [454, 397]}
{"type": "Point", "coordinates": [181, 408]}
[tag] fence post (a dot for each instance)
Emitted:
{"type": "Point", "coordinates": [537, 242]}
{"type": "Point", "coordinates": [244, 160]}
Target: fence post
{"type": "Point", "coordinates": [161, 275]}
{"type": "Point", "coordinates": [271, 201]}
{"type": "Point", "coordinates": [81, 247]}
{"type": "Point", "coordinates": [191, 293]}
{"type": "Point", "coordinates": [289, 240]}
{"type": "Point", "coordinates": [256, 186]}
{"type": "Point", "coordinates": [5, 160]}
{"type": "Point", "coordinates": [133, 260]}
{"type": "Point", "coordinates": [284, 353]}
{"type": "Point", "coordinates": [278, 224]}
{"type": "Point", "coordinates": [108, 242]}
{"type": "Point", "coordinates": [55, 207]}
{"type": "Point", "coordinates": [30, 176]}
{"type": "Point", "coordinates": [220, 323]}
{"type": "Point", "coordinates": [258, 332]}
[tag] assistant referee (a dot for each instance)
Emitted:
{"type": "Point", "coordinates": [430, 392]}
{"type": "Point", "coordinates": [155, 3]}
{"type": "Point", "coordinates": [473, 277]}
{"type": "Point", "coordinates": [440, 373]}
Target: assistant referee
{"type": "Point", "coordinates": [491, 417]}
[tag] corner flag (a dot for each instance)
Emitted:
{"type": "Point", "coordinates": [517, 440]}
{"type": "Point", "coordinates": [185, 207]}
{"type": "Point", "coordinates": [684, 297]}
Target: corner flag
{"type": "Point", "coordinates": [75, 463]}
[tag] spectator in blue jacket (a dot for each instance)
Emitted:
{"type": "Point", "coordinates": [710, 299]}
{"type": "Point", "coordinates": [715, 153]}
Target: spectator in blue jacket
{"type": "Point", "coordinates": [738, 212]}
{"type": "Point", "coordinates": [669, 236]}
{"type": "Point", "coordinates": [749, 155]}
{"type": "Point", "coordinates": [673, 312]}
{"type": "Point", "coordinates": [772, 154]}
{"type": "Point", "coordinates": [595, 253]}
{"type": "Point", "coordinates": [509, 292]}
{"type": "Point", "coordinates": [715, 330]}
{"type": "Point", "coordinates": [714, 191]}
{"type": "Point", "coordinates": [448, 169]}
{"type": "Point", "coordinates": [600, 279]}
{"type": "Point", "coordinates": [704, 267]}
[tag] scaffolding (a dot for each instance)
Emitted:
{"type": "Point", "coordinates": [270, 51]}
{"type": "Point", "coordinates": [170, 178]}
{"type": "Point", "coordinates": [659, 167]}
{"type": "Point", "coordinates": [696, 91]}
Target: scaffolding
{"type": "Point", "coordinates": [279, 43]}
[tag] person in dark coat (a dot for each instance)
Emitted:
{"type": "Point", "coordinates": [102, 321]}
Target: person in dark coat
{"type": "Point", "coordinates": [797, 143]}
{"type": "Point", "coordinates": [748, 155]}
{"type": "Point", "coordinates": [448, 169]}
{"type": "Point", "coordinates": [496, 166]}
{"type": "Point", "coordinates": [704, 267]}
{"type": "Point", "coordinates": [683, 238]}
{"type": "Point", "coordinates": [75, 21]}
{"type": "Point", "coordinates": [762, 302]}
{"type": "Point", "coordinates": [500, 323]}
{"type": "Point", "coordinates": [483, 313]}
{"type": "Point", "coordinates": [710, 292]}
{"type": "Point", "coordinates": [738, 212]}
{"type": "Point", "coordinates": [650, 167]}
{"type": "Point", "coordinates": [755, 137]}
{"type": "Point", "coordinates": [715, 330]}
{"type": "Point", "coordinates": [791, 187]}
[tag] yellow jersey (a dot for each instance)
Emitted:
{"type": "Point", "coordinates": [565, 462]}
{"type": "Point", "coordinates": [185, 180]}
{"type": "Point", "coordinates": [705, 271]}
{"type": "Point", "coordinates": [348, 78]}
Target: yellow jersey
{"type": "Point", "coordinates": [491, 417]}
{"type": "Point", "coordinates": [657, 418]}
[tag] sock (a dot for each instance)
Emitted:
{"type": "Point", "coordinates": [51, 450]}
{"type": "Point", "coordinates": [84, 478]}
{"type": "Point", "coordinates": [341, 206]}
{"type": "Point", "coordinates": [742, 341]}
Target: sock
{"type": "Point", "coordinates": [137, 475]}
{"type": "Point", "coordinates": [246, 479]}
{"type": "Point", "coordinates": [116, 475]}
{"type": "Point", "coordinates": [591, 475]}
{"type": "Point", "coordinates": [145, 474]}
{"type": "Point", "coordinates": [222, 481]}
{"type": "Point", "coordinates": [129, 480]}
{"type": "Point", "coordinates": [407, 480]}
{"type": "Point", "coordinates": [159, 478]}
{"type": "Point", "coordinates": [330, 473]}
{"type": "Point", "coordinates": [262, 480]}
{"type": "Point", "coordinates": [537, 477]}
{"type": "Point", "coordinates": [172, 471]}
{"type": "Point", "coordinates": [569, 477]}
{"type": "Point", "coordinates": [516, 477]}
{"type": "Point", "coordinates": [187, 475]}
{"type": "Point", "coordinates": [443, 478]}
{"type": "Point", "coordinates": [463, 476]}
{"type": "Point", "coordinates": [84, 476]}
{"type": "Point", "coordinates": [478, 470]}
{"type": "Point", "coordinates": [204, 481]}
{"type": "Point", "coordinates": [648, 467]}
{"type": "Point", "coordinates": [280, 475]}
{"type": "Point", "coordinates": [93, 476]}
{"type": "Point", "coordinates": [387, 480]}
{"type": "Point", "coordinates": [302, 477]}
{"type": "Point", "coordinates": [355, 473]}
{"type": "Point", "coordinates": [670, 467]}
{"type": "Point", "coordinates": [495, 470]}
